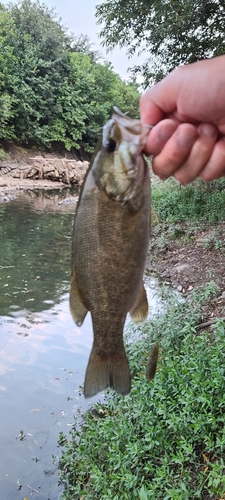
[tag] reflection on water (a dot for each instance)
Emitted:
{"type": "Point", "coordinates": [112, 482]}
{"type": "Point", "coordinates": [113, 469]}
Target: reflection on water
{"type": "Point", "coordinates": [43, 355]}
{"type": "Point", "coordinates": [34, 253]}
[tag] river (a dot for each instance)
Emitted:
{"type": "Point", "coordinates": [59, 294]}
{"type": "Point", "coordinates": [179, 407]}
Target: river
{"type": "Point", "coordinates": [43, 355]}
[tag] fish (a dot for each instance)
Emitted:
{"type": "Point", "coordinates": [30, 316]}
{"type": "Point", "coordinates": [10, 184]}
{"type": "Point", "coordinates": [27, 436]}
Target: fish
{"type": "Point", "coordinates": [109, 248]}
{"type": "Point", "coordinates": [152, 362]}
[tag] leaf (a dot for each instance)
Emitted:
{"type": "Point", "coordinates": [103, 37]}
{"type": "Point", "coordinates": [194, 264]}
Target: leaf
{"type": "Point", "coordinates": [205, 458]}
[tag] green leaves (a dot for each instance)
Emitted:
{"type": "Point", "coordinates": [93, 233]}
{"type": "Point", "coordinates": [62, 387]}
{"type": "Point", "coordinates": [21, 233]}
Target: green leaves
{"type": "Point", "coordinates": [174, 203]}
{"type": "Point", "coordinates": [154, 442]}
{"type": "Point", "coordinates": [172, 33]}
{"type": "Point", "coordinates": [52, 87]}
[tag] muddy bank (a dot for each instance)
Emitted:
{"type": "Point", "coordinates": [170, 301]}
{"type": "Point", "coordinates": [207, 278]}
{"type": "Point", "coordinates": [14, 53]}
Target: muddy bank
{"type": "Point", "coordinates": [187, 266]}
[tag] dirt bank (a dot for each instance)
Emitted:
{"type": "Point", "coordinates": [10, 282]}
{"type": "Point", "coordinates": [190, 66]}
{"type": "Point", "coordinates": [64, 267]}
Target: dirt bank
{"type": "Point", "coordinates": [187, 266]}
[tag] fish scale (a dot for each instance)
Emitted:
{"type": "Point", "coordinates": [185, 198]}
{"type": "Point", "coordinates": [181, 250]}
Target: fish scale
{"type": "Point", "coordinates": [109, 249]}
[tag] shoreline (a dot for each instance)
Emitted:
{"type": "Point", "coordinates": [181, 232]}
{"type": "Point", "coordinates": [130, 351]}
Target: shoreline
{"type": "Point", "coordinates": [13, 187]}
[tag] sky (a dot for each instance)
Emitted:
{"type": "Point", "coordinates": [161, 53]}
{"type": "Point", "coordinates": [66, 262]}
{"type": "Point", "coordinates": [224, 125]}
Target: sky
{"type": "Point", "coordinates": [79, 17]}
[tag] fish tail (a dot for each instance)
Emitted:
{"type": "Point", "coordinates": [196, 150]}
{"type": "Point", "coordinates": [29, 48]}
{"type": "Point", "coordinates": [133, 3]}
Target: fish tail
{"type": "Point", "coordinates": [103, 372]}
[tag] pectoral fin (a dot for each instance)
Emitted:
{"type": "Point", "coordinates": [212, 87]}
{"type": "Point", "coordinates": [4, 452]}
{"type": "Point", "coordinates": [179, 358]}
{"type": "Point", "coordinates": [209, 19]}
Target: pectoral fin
{"type": "Point", "coordinates": [139, 310]}
{"type": "Point", "coordinates": [77, 307]}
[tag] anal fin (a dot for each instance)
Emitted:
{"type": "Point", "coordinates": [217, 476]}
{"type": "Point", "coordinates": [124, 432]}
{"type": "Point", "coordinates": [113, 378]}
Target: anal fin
{"type": "Point", "coordinates": [139, 310]}
{"type": "Point", "coordinates": [77, 307]}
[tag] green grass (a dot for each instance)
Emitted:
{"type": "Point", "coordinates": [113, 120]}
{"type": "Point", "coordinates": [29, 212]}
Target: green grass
{"type": "Point", "coordinates": [166, 440]}
{"type": "Point", "coordinates": [197, 201]}
{"type": "Point", "coordinates": [182, 212]}
{"type": "Point", "coordinates": [3, 155]}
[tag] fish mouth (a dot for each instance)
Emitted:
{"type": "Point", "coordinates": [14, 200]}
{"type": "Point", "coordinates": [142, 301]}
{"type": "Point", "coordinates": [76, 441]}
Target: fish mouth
{"type": "Point", "coordinates": [121, 128]}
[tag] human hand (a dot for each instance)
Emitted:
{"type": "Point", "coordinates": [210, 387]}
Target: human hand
{"type": "Point", "coordinates": [188, 111]}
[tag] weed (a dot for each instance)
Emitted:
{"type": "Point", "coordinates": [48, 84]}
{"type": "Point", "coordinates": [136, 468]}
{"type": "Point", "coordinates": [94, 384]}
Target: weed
{"type": "Point", "coordinates": [165, 440]}
{"type": "Point", "coordinates": [214, 240]}
{"type": "Point", "coordinates": [175, 203]}
{"type": "Point", "coordinates": [3, 155]}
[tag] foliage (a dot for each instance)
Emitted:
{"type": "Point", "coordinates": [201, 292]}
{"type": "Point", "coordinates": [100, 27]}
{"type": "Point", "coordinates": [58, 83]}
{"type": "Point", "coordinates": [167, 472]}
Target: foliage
{"type": "Point", "coordinates": [53, 87]}
{"type": "Point", "coordinates": [166, 439]}
{"type": "Point", "coordinates": [7, 77]}
{"type": "Point", "coordinates": [3, 155]}
{"type": "Point", "coordinates": [195, 202]}
{"type": "Point", "coordinates": [172, 32]}
{"type": "Point", "coordinates": [184, 211]}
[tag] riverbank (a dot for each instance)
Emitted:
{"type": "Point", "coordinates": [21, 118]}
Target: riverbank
{"type": "Point", "coordinates": [187, 247]}
{"type": "Point", "coordinates": [10, 189]}
{"type": "Point", "coordinates": [166, 439]}
{"type": "Point", "coordinates": [22, 170]}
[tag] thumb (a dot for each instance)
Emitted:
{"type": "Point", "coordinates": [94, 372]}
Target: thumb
{"type": "Point", "coordinates": [150, 112]}
{"type": "Point", "coordinates": [161, 100]}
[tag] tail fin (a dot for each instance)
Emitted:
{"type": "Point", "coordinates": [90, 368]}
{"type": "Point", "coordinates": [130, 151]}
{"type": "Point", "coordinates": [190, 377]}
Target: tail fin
{"type": "Point", "coordinates": [112, 371]}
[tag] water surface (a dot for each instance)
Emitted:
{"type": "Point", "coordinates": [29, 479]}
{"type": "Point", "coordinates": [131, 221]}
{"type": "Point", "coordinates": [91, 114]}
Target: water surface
{"type": "Point", "coordinates": [43, 355]}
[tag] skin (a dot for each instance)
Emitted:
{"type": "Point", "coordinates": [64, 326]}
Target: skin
{"type": "Point", "coordinates": [187, 109]}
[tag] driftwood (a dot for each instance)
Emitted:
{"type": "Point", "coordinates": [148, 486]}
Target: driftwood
{"type": "Point", "coordinates": [70, 172]}
{"type": "Point", "coordinates": [208, 323]}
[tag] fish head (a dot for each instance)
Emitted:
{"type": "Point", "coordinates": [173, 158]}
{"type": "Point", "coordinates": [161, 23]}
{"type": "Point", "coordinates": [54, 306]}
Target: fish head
{"type": "Point", "coordinates": [118, 165]}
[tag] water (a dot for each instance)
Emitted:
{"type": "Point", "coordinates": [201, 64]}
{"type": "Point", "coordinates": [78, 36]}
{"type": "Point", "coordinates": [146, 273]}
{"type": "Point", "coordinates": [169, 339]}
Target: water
{"type": "Point", "coordinates": [43, 355]}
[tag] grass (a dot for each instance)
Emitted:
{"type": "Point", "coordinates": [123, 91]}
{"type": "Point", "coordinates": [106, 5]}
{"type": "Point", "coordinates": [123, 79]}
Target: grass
{"type": "Point", "coordinates": [166, 440]}
{"type": "Point", "coordinates": [3, 155]}
{"type": "Point", "coordinates": [183, 211]}
{"type": "Point", "coordinates": [197, 202]}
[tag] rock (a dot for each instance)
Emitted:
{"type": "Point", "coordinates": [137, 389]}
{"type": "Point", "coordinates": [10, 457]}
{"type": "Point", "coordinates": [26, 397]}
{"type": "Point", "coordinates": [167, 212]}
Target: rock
{"type": "Point", "coordinates": [179, 288]}
{"type": "Point", "coordinates": [68, 201]}
{"type": "Point", "coordinates": [2, 182]}
{"type": "Point", "coordinates": [181, 267]}
{"type": "Point", "coordinates": [201, 241]}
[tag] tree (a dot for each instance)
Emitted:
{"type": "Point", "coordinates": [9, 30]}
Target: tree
{"type": "Point", "coordinates": [54, 88]}
{"type": "Point", "coordinates": [85, 100]}
{"type": "Point", "coordinates": [174, 32]}
{"type": "Point", "coordinates": [8, 79]}
{"type": "Point", "coordinates": [40, 48]}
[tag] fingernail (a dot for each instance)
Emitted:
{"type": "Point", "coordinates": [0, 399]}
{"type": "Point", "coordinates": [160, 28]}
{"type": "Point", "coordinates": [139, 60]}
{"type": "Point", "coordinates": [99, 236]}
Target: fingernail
{"type": "Point", "coordinates": [208, 129]}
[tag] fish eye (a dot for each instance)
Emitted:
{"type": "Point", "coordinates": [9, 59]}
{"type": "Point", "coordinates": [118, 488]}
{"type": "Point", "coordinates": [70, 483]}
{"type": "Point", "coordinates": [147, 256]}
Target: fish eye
{"type": "Point", "coordinates": [110, 145]}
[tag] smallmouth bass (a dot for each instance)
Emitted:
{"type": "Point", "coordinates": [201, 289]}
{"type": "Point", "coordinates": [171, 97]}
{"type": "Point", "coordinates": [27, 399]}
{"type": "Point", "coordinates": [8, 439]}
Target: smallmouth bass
{"type": "Point", "coordinates": [109, 249]}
